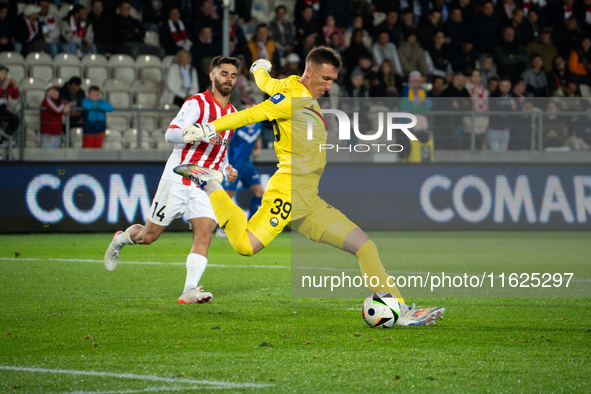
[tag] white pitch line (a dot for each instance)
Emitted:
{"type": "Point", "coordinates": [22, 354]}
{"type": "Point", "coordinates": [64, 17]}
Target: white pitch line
{"type": "Point", "coordinates": [151, 378]}
{"type": "Point", "coordinates": [146, 390]}
{"type": "Point", "coordinates": [247, 266]}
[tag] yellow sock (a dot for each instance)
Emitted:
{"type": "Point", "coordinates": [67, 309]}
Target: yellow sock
{"type": "Point", "coordinates": [232, 219]}
{"type": "Point", "coordinates": [370, 264]}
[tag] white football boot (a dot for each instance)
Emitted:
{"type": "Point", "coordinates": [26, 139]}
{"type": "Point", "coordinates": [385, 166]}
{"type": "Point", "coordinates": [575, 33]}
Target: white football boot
{"type": "Point", "coordinates": [194, 296]}
{"type": "Point", "coordinates": [199, 175]}
{"type": "Point", "coordinates": [419, 316]}
{"type": "Point", "coordinates": [112, 254]}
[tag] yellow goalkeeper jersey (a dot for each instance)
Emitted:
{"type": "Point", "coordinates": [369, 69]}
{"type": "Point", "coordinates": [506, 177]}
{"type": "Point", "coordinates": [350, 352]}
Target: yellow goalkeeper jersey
{"type": "Point", "coordinates": [298, 123]}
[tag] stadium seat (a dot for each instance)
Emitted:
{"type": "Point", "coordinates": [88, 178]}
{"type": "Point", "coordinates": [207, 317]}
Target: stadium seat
{"type": "Point", "coordinates": [146, 93]}
{"type": "Point", "coordinates": [67, 65]}
{"type": "Point", "coordinates": [76, 137]}
{"type": "Point", "coordinates": [166, 117]}
{"type": "Point", "coordinates": [87, 82]}
{"type": "Point", "coordinates": [40, 65]}
{"type": "Point", "coordinates": [113, 134]}
{"type": "Point", "coordinates": [118, 121]}
{"type": "Point", "coordinates": [119, 99]}
{"type": "Point", "coordinates": [11, 58]}
{"type": "Point", "coordinates": [115, 85]}
{"type": "Point", "coordinates": [130, 138]}
{"type": "Point", "coordinates": [95, 67]}
{"type": "Point", "coordinates": [122, 68]}
{"type": "Point", "coordinates": [32, 118]}
{"type": "Point", "coordinates": [113, 139]}
{"type": "Point", "coordinates": [112, 144]}
{"type": "Point", "coordinates": [17, 71]}
{"type": "Point", "coordinates": [149, 120]}
{"type": "Point", "coordinates": [152, 38]}
{"type": "Point", "coordinates": [167, 61]}
{"type": "Point", "coordinates": [34, 97]}
{"type": "Point", "coordinates": [149, 67]}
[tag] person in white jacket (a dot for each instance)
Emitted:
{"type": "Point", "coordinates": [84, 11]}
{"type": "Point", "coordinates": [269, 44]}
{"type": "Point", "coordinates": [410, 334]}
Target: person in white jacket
{"type": "Point", "coordinates": [77, 33]}
{"type": "Point", "coordinates": [181, 80]}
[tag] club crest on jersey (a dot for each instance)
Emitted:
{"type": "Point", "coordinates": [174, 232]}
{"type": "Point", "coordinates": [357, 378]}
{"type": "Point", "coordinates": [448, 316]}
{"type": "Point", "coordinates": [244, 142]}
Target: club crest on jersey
{"type": "Point", "coordinates": [274, 222]}
{"type": "Point", "coordinates": [277, 98]}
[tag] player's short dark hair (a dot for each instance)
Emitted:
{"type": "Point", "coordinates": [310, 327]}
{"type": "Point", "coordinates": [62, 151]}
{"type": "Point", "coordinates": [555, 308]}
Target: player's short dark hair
{"type": "Point", "coordinates": [94, 88]}
{"type": "Point", "coordinates": [322, 54]}
{"type": "Point", "coordinates": [219, 60]}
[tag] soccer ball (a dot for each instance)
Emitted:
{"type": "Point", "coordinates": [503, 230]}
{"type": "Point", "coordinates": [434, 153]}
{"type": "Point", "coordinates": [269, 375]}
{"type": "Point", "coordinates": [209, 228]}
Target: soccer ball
{"type": "Point", "coordinates": [381, 309]}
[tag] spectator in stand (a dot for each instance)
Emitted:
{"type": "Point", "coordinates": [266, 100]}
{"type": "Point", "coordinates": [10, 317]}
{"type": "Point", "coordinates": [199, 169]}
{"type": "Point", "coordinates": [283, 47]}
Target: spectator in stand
{"type": "Point", "coordinates": [499, 131]}
{"type": "Point", "coordinates": [262, 46]}
{"type": "Point", "coordinates": [131, 32]}
{"type": "Point", "coordinates": [282, 32]}
{"type": "Point", "coordinates": [95, 109]}
{"type": "Point", "coordinates": [369, 70]}
{"type": "Point", "coordinates": [456, 29]}
{"type": "Point", "coordinates": [306, 45]}
{"type": "Point", "coordinates": [357, 24]}
{"type": "Point", "coordinates": [464, 58]}
{"type": "Point", "coordinates": [102, 27]}
{"type": "Point", "coordinates": [517, 24]}
{"type": "Point", "coordinates": [582, 10]}
{"type": "Point", "coordinates": [51, 27]}
{"type": "Point", "coordinates": [437, 87]}
{"type": "Point", "coordinates": [407, 21]}
{"type": "Point", "coordinates": [383, 49]}
{"type": "Point", "coordinates": [52, 119]}
{"type": "Point", "coordinates": [568, 89]}
{"type": "Point", "coordinates": [73, 94]}
{"type": "Point", "coordinates": [521, 134]}
{"type": "Point", "coordinates": [580, 126]}
{"type": "Point", "coordinates": [292, 65]}
{"type": "Point", "coordinates": [443, 9]}
{"type": "Point", "coordinates": [579, 62]}
{"type": "Point", "coordinates": [414, 97]}
{"type": "Point", "coordinates": [336, 43]}
{"type": "Point", "coordinates": [28, 31]}
{"type": "Point", "coordinates": [354, 51]}
{"type": "Point", "coordinates": [363, 9]}
{"type": "Point", "coordinates": [553, 127]}
{"type": "Point", "coordinates": [458, 99]}
{"type": "Point", "coordinates": [504, 11]}
{"type": "Point", "coordinates": [543, 46]}
{"type": "Point", "coordinates": [306, 24]}
{"type": "Point", "coordinates": [237, 36]}
{"type": "Point", "coordinates": [203, 50]}
{"type": "Point", "coordinates": [153, 14]}
{"type": "Point", "coordinates": [181, 80]}
{"type": "Point", "coordinates": [8, 89]}
{"type": "Point", "coordinates": [492, 85]}
{"type": "Point", "coordinates": [357, 94]}
{"type": "Point", "coordinates": [6, 32]}
{"type": "Point", "coordinates": [77, 33]}
{"type": "Point", "coordinates": [392, 26]}
{"type": "Point", "coordinates": [173, 34]}
{"type": "Point", "coordinates": [487, 69]}
{"type": "Point", "coordinates": [384, 85]}
{"type": "Point", "coordinates": [559, 76]}
{"type": "Point", "coordinates": [519, 91]}
{"type": "Point", "coordinates": [208, 15]}
{"type": "Point", "coordinates": [412, 56]}
{"type": "Point", "coordinates": [427, 29]}
{"type": "Point", "coordinates": [466, 8]}
{"type": "Point", "coordinates": [509, 55]}
{"type": "Point", "coordinates": [329, 29]}
{"type": "Point", "coordinates": [568, 36]}
{"type": "Point", "coordinates": [530, 29]}
{"type": "Point", "coordinates": [438, 57]}
{"type": "Point", "coordinates": [534, 77]}
{"type": "Point", "coordinates": [477, 91]}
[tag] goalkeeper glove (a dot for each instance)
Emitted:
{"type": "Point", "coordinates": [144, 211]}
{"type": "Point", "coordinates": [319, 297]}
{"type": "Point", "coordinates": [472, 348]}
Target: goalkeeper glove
{"type": "Point", "coordinates": [261, 63]}
{"type": "Point", "coordinates": [197, 132]}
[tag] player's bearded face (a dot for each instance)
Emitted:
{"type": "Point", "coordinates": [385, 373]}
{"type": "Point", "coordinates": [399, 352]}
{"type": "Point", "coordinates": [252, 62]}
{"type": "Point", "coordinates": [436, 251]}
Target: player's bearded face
{"type": "Point", "coordinates": [225, 80]}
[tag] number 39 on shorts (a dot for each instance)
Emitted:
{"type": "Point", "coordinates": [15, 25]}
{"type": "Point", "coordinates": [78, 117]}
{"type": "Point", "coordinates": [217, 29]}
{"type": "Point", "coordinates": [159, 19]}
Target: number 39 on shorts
{"type": "Point", "coordinates": [283, 208]}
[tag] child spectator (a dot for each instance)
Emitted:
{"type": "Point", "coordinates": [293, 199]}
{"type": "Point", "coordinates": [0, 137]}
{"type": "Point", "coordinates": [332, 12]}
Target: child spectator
{"type": "Point", "coordinates": [94, 118]}
{"type": "Point", "coordinates": [52, 118]}
{"type": "Point", "coordinates": [330, 28]}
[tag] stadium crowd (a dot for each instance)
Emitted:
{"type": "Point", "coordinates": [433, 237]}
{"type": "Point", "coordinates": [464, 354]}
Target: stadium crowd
{"type": "Point", "coordinates": [479, 55]}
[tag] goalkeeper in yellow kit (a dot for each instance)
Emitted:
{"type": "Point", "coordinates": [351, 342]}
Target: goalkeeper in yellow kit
{"type": "Point", "coordinates": [295, 184]}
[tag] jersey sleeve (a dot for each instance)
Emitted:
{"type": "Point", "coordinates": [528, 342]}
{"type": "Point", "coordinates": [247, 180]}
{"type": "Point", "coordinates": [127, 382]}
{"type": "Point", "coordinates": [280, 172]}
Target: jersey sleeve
{"type": "Point", "coordinates": [190, 113]}
{"type": "Point", "coordinates": [278, 107]}
{"type": "Point", "coordinates": [266, 83]}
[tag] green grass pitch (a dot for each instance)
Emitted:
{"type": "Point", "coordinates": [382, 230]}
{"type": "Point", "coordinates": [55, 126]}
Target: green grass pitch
{"type": "Point", "coordinates": [68, 325]}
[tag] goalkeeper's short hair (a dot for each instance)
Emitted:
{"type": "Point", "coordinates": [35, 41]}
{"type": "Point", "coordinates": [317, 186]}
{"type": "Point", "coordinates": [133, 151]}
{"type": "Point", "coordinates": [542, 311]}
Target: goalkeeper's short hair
{"type": "Point", "coordinates": [322, 54]}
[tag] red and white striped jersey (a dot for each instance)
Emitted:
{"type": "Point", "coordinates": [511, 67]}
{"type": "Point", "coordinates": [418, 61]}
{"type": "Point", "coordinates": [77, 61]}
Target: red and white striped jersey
{"type": "Point", "coordinates": [201, 108]}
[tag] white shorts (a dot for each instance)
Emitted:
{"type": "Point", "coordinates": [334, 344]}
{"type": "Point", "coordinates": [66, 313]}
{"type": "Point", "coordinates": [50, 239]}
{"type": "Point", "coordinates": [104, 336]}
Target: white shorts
{"type": "Point", "coordinates": [174, 200]}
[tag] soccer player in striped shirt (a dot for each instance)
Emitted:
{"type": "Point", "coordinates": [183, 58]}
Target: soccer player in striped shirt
{"type": "Point", "coordinates": [295, 184]}
{"type": "Point", "coordinates": [177, 196]}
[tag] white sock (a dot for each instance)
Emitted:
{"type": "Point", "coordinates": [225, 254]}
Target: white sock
{"type": "Point", "coordinates": [195, 267]}
{"type": "Point", "coordinates": [124, 238]}
{"type": "Point", "coordinates": [211, 187]}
